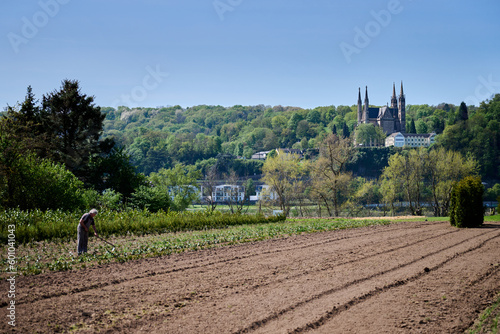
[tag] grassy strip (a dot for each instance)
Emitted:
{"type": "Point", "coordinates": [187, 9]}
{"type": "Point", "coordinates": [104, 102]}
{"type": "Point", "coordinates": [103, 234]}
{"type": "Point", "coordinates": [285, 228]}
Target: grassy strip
{"type": "Point", "coordinates": [488, 320]}
{"type": "Point", "coordinates": [39, 257]}
{"type": "Point", "coordinates": [495, 218]}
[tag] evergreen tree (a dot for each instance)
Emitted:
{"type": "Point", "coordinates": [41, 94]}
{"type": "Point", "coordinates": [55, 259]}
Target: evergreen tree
{"type": "Point", "coordinates": [411, 127]}
{"type": "Point", "coordinates": [463, 113]}
{"type": "Point", "coordinates": [345, 131]}
{"type": "Point", "coordinates": [29, 112]}
{"type": "Point", "coordinates": [27, 125]}
{"type": "Point", "coordinates": [467, 203]}
{"type": "Point", "coordinates": [334, 129]}
{"type": "Point", "coordinates": [76, 125]}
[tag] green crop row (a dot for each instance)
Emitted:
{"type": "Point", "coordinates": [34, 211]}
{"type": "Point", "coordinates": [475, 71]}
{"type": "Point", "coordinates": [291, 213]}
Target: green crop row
{"type": "Point", "coordinates": [39, 225]}
{"type": "Point", "coordinates": [38, 257]}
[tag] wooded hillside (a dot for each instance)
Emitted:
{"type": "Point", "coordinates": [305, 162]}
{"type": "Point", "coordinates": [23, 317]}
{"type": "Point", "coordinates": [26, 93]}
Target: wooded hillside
{"type": "Point", "coordinates": [161, 137]}
{"type": "Point", "coordinates": [153, 157]}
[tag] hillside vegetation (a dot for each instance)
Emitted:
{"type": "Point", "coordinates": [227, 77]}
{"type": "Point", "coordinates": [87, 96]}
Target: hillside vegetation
{"type": "Point", "coordinates": [162, 137]}
{"type": "Point", "coordinates": [67, 153]}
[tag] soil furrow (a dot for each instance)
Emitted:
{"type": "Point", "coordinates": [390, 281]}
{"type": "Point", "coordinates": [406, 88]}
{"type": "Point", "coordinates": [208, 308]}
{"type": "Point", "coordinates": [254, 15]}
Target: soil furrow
{"type": "Point", "coordinates": [320, 282]}
{"type": "Point", "coordinates": [336, 310]}
{"type": "Point", "coordinates": [229, 296]}
{"type": "Point", "coordinates": [32, 295]}
{"type": "Point", "coordinates": [359, 281]}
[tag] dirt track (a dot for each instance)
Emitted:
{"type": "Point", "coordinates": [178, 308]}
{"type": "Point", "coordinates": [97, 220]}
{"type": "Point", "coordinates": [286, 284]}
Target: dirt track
{"type": "Point", "coordinates": [403, 278]}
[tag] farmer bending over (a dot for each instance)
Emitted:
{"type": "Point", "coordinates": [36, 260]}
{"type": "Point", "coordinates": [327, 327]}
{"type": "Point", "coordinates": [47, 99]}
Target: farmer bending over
{"type": "Point", "coordinates": [83, 230]}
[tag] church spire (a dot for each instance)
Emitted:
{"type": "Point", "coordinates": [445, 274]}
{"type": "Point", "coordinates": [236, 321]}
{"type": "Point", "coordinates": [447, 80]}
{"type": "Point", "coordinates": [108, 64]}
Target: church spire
{"type": "Point", "coordinates": [365, 110]}
{"type": "Point", "coordinates": [360, 107]}
{"type": "Point", "coordinates": [402, 109]}
{"type": "Point", "coordinates": [394, 99]}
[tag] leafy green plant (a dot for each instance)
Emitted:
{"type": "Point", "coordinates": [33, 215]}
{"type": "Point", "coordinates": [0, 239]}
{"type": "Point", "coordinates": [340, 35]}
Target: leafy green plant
{"type": "Point", "coordinates": [38, 257]}
{"type": "Point", "coordinates": [37, 225]}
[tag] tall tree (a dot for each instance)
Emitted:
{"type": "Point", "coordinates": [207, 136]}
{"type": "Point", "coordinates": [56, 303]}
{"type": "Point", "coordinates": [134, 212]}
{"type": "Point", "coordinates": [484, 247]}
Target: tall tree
{"type": "Point", "coordinates": [235, 202]}
{"type": "Point", "coordinates": [411, 127]}
{"type": "Point", "coordinates": [463, 113]}
{"type": "Point", "coordinates": [76, 125]}
{"type": "Point", "coordinates": [443, 170]}
{"type": "Point", "coordinates": [331, 181]}
{"type": "Point", "coordinates": [281, 173]}
{"type": "Point", "coordinates": [406, 172]}
{"type": "Point", "coordinates": [345, 131]}
{"type": "Point", "coordinates": [209, 186]}
{"type": "Point", "coordinates": [27, 124]}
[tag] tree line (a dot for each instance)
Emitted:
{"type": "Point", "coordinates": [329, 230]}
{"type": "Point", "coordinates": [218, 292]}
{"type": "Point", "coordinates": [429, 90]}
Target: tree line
{"type": "Point", "coordinates": [162, 137]}
{"type": "Point", "coordinates": [66, 152]}
{"type": "Point", "coordinates": [413, 177]}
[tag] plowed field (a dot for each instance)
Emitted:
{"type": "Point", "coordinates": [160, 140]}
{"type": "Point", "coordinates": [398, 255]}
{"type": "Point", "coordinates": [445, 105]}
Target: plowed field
{"type": "Point", "coordinates": [424, 277]}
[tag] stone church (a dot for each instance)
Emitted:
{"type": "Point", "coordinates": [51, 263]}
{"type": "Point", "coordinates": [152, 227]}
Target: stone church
{"type": "Point", "coordinates": [391, 119]}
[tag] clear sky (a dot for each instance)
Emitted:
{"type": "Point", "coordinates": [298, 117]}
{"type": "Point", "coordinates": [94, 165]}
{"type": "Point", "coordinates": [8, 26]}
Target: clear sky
{"type": "Point", "coordinates": [303, 53]}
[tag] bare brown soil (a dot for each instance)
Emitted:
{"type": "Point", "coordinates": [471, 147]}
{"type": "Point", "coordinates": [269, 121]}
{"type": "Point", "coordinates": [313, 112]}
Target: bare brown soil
{"type": "Point", "coordinates": [424, 277]}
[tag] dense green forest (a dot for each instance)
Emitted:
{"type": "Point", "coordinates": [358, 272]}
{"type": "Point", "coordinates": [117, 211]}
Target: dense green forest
{"type": "Point", "coordinates": [65, 152]}
{"type": "Point", "coordinates": [162, 137]}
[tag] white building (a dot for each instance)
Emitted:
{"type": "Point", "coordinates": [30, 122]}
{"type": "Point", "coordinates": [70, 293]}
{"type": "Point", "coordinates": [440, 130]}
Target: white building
{"type": "Point", "coordinates": [228, 193]}
{"type": "Point", "coordinates": [260, 155]}
{"type": "Point", "coordinates": [396, 139]}
{"type": "Point", "coordinates": [399, 139]}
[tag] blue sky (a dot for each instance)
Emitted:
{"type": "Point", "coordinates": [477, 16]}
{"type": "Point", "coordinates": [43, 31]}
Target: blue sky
{"type": "Point", "coordinates": [303, 53]}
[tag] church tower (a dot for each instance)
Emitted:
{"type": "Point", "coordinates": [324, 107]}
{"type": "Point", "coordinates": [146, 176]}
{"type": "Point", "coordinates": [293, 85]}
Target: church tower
{"type": "Point", "coordinates": [402, 110]}
{"type": "Point", "coordinates": [394, 100]}
{"type": "Point", "coordinates": [367, 104]}
{"type": "Point", "coordinates": [360, 107]}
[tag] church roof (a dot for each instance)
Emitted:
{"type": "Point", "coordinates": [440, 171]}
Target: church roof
{"type": "Point", "coordinates": [387, 112]}
{"type": "Point", "coordinates": [373, 112]}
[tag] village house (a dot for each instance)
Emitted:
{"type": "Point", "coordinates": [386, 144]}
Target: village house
{"type": "Point", "coordinates": [399, 139]}
{"type": "Point", "coordinates": [228, 193]}
{"type": "Point", "coordinates": [262, 155]}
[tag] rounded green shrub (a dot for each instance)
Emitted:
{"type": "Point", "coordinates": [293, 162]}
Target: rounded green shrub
{"type": "Point", "coordinates": [467, 203]}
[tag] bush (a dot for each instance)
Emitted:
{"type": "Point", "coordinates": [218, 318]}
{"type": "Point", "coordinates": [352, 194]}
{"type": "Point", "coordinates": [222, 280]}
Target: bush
{"type": "Point", "coordinates": [467, 203]}
{"type": "Point", "coordinates": [110, 200]}
{"type": "Point", "coordinates": [151, 198]}
{"type": "Point", "coordinates": [42, 184]}
{"type": "Point", "coordinates": [491, 194]}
